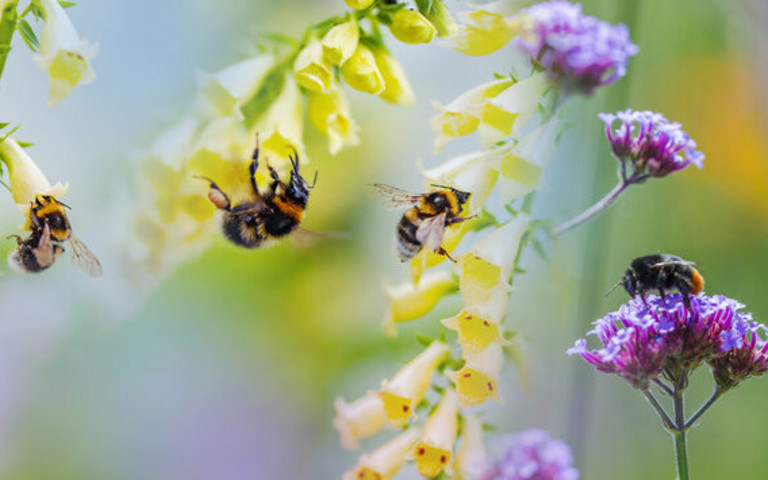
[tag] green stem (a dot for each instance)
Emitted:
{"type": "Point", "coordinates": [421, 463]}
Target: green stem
{"type": "Point", "coordinates": [598, 207]}
{"type": "Point", "coordinates": [681, 452]}
{"type": "Point", "coordinates": [712, 399]}
{"type": "Point", "coordinates": [7, 29]}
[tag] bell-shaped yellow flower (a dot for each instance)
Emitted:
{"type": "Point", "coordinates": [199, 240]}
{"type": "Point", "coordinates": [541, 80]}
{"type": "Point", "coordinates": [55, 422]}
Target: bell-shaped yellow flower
{"type": "Point", "coordinates": [463, 115]}
{"type": "Point", "coordinates": [471, 458]}
{"type": "Point", "coordinates": [477, 380]}
{"type": "Point", "coordinates": [487, 268]}
{"type": "Point", "coordinates": [63, 54]}
{"type": "Point", "coordinates": [341, 42]}
{"type": "Point", "coordinates": [433, 451]}
{"type": "Point", "coordinates": [520, 171]}
{"type": "Point", "coordinates": [508, 112]}
{"type": "Point", "coordinates": [475, 333]}
{"type": "Point", "coordinates": [410, 26]}
{"type": "Point", "coordinates": [312, 69]}
{"type": "Point", "coordinates": [329, 114]}
{"type": "Point", "coordinates": [25, 178]}
{"type": "Point", "coordinates": [361, 72]}
{"type": "Point", "coordinates": [409, 301]}
{"type": "Point", "coordinates": [397, 89]}
{"type": "Point", "coordinates": [223, 92]}
{"type": "Point", "coordinates": [403, 393]}
{"type": "Point", "coordinates": [281, 131]}
{"type": "Point", "coordinates": [360, 419]}
{"type": "Point", "coordinates": [384, 462]}
{"type": "Point", "coordinates": [359, 4]}
{"type": "Point", "coordinates": [487, 28]}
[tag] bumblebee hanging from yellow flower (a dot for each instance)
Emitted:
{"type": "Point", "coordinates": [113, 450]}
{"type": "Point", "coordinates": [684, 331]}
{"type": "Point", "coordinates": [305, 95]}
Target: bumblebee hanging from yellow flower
{"type": "Point", "coordinates": [267, 215]}
{"type": "Point", "coordinates": [423, 224]}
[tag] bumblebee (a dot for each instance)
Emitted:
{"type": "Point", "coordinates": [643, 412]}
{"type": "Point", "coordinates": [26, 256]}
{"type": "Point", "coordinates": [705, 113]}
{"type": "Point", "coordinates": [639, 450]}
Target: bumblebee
{"type": "Point", "coordinates": [50, 229]}
{"type": "Point", "coordinates": [268, 215]}
{"type": "Point", "coordinates": [423, 224]}
{"type": "Point", "coordinates": [662, 272]}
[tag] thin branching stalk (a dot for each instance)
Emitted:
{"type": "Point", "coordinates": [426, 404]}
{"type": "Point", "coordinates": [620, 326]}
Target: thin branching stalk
{"type": "Point", "coordinates": [716, 393]}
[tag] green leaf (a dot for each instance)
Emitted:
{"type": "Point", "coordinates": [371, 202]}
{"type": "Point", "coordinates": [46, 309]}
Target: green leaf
{"type": "Point", "coordinates": [488, 427]}
{"type": "Point", "coordinates": [25, 144]}
{"type": "Point", "coordinates": [527, 205]}
{"type": "Point", "coordinates": [265, 95]}
{"type": "Point", "coordinates": [424, 340]}
{"type": "Point", "coordinates": [65, 4]}
{"type": "Point", "coordinates": [28, 35]}
{"type": "Point", "coordinates": [3, 125]}
{"type": "Point", "coordinates": [539, 247]}
{"type": "Point", "coordinates": [2, 139]}
{"type": "Point", "coordinates": [36, 11]}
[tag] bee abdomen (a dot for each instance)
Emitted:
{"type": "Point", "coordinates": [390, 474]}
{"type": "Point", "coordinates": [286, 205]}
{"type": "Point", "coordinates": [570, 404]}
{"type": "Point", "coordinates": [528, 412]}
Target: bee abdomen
{"type": "Point", "coordinates": [407, 244]}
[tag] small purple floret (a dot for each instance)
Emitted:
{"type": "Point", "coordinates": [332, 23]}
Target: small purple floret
{"type": "Point", "coordinates": [639, 341]}
{"type": "Point", "coordinates": [533, 455]}
{"type": "Point", "coordinates": [583, 51]}
{"type": "Point", "coordinates": [650, 144]}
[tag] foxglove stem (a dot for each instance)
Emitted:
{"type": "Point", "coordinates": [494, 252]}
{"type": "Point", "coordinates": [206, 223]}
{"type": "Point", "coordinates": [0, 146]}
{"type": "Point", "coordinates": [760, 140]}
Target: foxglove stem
{"type": "Point", "coordinates": [716, 393]}
{"type": "Point", "coordinates": [7, 29]}
{"type": "Point", "coordinates": [604, 203]}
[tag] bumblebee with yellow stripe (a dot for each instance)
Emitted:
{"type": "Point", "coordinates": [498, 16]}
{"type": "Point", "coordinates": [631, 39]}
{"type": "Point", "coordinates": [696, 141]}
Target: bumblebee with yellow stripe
{"type": "Point", "coordinates": [423, 224]}
{"type": "Point", "coordinates": [50, 228]}
{"type": "Point", "coordinates": [268, 215]}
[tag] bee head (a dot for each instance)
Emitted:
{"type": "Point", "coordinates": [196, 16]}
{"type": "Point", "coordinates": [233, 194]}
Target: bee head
{"type": "Point", "coordinates": [629, 282]}
{"type": "Point", "coordinates": [461, 196]}
{"type": "Point", "coordinates": [298, 189]}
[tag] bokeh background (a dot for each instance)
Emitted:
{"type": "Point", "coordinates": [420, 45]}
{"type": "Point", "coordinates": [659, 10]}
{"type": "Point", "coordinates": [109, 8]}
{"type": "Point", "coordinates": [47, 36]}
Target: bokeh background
{"type": "Point", "coordinates": [228, 368]}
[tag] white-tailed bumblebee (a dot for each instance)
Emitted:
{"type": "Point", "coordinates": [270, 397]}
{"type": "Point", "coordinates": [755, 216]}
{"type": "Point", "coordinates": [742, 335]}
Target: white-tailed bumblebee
{"type": "Point", "coordinates": [664, 273]}
{"type": "Point", "coordinates": [268, 215]}
{"type": "Point", "coordinates": [423, 224]}
{"type": "Point", "coordinates": [49, 226]}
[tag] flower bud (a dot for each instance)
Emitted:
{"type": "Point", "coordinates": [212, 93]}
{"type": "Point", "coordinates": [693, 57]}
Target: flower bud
{"type": "Point", "coordinates": [359, 4]}
{"type": "Point", "coordinates": [341, 42]}
{"type": "Point", "coordinates": [397, 89]}
{"type": "Point", "coordinates": [329, 114]}
{"type": "Point", "coordinates": [410, 26]}
{"type": "Point", "coordinates": [361, 72]}
{"type": "Point", "coordinates": [311, 69]}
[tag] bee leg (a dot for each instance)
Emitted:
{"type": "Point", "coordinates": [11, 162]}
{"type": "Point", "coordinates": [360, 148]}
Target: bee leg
{"type": "Point", "coordinates": [217, 196]}
{"type": "Point", "coordinates": [442, 251]}
{"type": "Point", "coordinates": [254, 166]}
{"type": "Point", "coordinates": [454, 220]}
{"type": "Point", "coordinates": [19, 241]}
{"type": "Point", "coordinates": [662, 295]}
{"type": "Point", "coordinates": [645, 302]}
{"type": "Point", "coordinates": [687, 301]}
{"type": "Point", "coordinates": [275, 178]}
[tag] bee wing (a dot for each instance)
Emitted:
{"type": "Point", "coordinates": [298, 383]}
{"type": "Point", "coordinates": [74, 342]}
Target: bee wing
{"type": "Point", "coordinates": [430, 231]}
{"type": "Point", "coordinates": [392, 197]}
{"type": "Point", "coordinates": [44, 249]}
{"type": "Point", "coordinates": [82, 258]}
{"type": "Point", "coordinates": [304, 238]}
{"type": "Point", "coordinates": [673, 262]}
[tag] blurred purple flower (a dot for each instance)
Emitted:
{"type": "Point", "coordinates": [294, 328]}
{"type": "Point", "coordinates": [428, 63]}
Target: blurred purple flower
{"type": "Point", "coordinates": [583, 51]}
{"type": "Point", "coordinates": [747, 355]}
{"type": "Point", "coordinates": [650, 144]}
{"type": "Point", "coordinates": [639, 341]}
{"type": "Point", "coordinates": [533, 455]}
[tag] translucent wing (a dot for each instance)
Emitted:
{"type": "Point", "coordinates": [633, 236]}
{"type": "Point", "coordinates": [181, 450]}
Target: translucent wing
{"type": "Point", "coordinates": [673, 262]}
{"type": "Point", "coordinates": [304, 238]}
{"type": "Point", "coordinates": [392, 197]}
{"type": "Point", "coordinates": [84, 259]}
{"type": "Point", "coordinates": [430, 232]}
{"type": "Point", "coordinates": [44, 249]}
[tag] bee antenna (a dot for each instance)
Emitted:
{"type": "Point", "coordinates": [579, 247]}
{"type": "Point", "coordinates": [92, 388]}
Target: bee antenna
{"type": "Point", "coordinates": [63, 204]}
{"type": "Point", "coordinates": [201, 177]}
{"type": "Point", "coordinates": [613, 288]}
{"type": "Point", "coordinates": [441, 186]}
{"type": "Point", "coordinates": [314, 182]}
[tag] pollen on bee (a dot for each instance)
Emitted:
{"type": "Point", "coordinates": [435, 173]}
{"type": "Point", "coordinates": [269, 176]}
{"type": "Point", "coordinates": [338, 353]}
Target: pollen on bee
{"type": "Point", "coordinates": [218, 198]}
{"type": "Point", "coordinates": [697, 282]}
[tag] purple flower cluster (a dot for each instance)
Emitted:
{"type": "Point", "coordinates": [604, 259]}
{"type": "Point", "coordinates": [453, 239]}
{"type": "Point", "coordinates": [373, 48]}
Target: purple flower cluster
{"type": "Point", "coordinates": [533, 455]}
{"type": "Point", "coordinates": [650, 144]}
{"type": "Point", "coordinates": [640, 341]}
{"type": "Point", "coordinates": [583, 51]}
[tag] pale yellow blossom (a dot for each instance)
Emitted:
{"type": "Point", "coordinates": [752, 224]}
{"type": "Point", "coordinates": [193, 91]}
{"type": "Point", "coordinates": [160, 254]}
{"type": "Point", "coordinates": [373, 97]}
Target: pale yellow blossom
{"type": "Point", "coordinates": [477, 380]}
{"type": "Point", "coordinates": [341, 42]}
{"type": "Point", "coordinates": [409, 301]}
{"type": "Point", "coordinates": [471, 458]}
{"type": "Point", "coordinates": [403, 393]}
{"type": "Point", "coordinates": [520, 172]}
{"type": "Point", "coordinates": [25, 178]}
{"type": "Point", "coordinates": [434, 449]}
{"type": "Point", "coordinates": [508, 112]}
{"type": "Point", "coordinates": [359, 4]}
{"type": "Point", "coordinates": [329, 114]}
{"type": "Point", "coordinates": [362, 73]}
{"type": "Point", "coordinates": [358, 420]}
{"type": "Point", "coordinates": [397, 89]}
{"type": "Point", "coordinates": [475, 333]}
{"type": "Point", "coordinates": [223, 92]}
{"type": "Point", "coordinates": [410, 26]}
{"type": "Point", "coordinates": [488, 27]}
{"type": "Point", "coordinates": [384, 462]}
{"type": "Point", "coordinates": [312, 70]}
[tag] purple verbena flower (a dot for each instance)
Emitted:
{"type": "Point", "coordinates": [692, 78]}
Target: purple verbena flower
{"type": "Point", "coordinates": [639, 341]}
{"type": "Point", "coordinates": [533, 455]}
{"type": "Point", "coordinates": [583, 51]}
{"type": "Point", "coordinates": [649, 144]}
{"type": "Point", "coordinates": [747, 356]}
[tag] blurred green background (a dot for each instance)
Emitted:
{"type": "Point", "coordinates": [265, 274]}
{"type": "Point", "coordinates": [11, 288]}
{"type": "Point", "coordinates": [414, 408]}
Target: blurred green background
{"type": "Point", "coordinates": [228, 369]}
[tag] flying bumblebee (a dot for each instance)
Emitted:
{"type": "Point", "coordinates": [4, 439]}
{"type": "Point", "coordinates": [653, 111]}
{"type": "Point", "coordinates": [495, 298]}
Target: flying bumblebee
{"type": "Point", "coordinates": [268, 215]}
{"type": "Point", "coordinates": [50, 228]}
{"type": "Point", "coordinates": [662, 272]}
{"type": "Point", "coordinates": [423, 224]}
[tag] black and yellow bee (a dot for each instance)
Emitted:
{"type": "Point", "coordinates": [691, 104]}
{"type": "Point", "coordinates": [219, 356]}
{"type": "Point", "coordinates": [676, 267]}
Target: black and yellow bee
{"type": "Point", "coordinates": [423, 224]}
{"type": "Point", "coordinates": [50, 228]}
{"type": "Point", "coordinates": [267, 215]}
{"type": "Point", "coordinates": [662, 272]}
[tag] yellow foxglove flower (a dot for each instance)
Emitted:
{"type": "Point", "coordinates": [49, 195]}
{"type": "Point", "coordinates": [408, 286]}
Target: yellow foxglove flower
{"type": "Point", "coordinates": [329, 114]}
{"type": "Point", "coordinates": [462, 116]}
{"type": "Point", "coordinates": [312, 70]}
{"type": "Point", "coordinates": [384, 462]}
{"type": "Point", "coordinates": [434, 450]}
{"type": "Point", "coordinates": [409, 301]}
{"type": "Point", "coordinates": [508, 111]}
{"type": "Point", "coordinates": [520, 171]}
{"type": "Point", "coordinates": [223, 92]}
{"type": "Point", "coordinates": [359, 4]}
{"type": "Point", "coordinates": [360, 419]}
{"type": "Point", "coordinates": [475, 333]}
{"type": "Point", "coordinates": [281, 129]}
{"type": "Point", "coordinates": [486, 269]}
{"type": "Point", "coordinates": [63, 54]}
{"type": "Point", "coordinates": [397, 89]}
{"type": "Point", "coordinates": [471, 458]}
{"type": "Point", "coordinates": [410, 26]}
{"type": "Point", "coordinates": [440, 17]}
{"type": "Point", "coordinates": [477, 380]}
{"type": "Point", "coordinates": [361, 72]}
{"type": "Point", "coordinates": [341, 42]}
{"type": "Point", "coordinates": [487, 28]}
{"type": "Point", "coordinates": [407, 388]}
{"type": "Point", "coordinates": [25, 178]}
